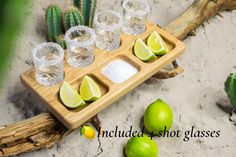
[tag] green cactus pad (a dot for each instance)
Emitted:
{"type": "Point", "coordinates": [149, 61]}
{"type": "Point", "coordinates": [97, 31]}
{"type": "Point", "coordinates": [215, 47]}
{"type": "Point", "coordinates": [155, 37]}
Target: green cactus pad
{"type": "Point", "coordinates": [54, 22]}
{"type": "Point", "coordinates": [230, 88]}
{"type": "Point", "coordinates": [61, 41]}
{"type": "Point", "coordinates": [72, 17]}
{"type": "Point", "coordinates": [87, 8]}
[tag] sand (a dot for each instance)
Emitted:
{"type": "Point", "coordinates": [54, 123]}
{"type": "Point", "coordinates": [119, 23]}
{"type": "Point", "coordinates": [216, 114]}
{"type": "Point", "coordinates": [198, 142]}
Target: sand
{"type": "Point", "coordinates": [197, 96]}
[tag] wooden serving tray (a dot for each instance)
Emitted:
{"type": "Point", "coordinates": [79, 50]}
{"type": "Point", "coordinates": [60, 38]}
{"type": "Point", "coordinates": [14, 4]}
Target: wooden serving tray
{"type": "Point", "coordinates": [110, 91]}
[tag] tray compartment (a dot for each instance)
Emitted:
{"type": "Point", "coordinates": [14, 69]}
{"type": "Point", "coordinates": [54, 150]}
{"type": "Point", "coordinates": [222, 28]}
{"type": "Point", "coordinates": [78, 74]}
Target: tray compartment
{"type": "Point", "coordinates": [103, 87]}
{"type": "Point", "coordinates": [170, 45]}
{"type": "Point", "coordinates": [76, 85]}
{"type": "Point", "coordinates": [112, 73]}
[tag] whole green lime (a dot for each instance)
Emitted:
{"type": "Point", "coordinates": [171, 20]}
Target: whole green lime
{"type": "Point", "coordinates": [141, 147]}
{"type": "Point", "coordinates": [157, 116]}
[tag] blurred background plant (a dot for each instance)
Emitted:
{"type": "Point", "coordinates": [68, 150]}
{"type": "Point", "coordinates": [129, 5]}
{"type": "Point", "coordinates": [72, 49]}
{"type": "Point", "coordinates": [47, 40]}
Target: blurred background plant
{"type": "Point", "coordinates": [230, 88]}
{"type": "Point", "coordinates": [12, 17]}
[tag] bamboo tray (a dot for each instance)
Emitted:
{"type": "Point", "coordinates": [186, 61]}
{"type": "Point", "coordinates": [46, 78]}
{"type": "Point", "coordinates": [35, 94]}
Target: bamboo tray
{"type": "Point", "coordinates": [110, 91]}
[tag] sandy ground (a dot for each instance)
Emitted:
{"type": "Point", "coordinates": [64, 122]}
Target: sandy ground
{"type": "Point", "coordinates": [193, 95]}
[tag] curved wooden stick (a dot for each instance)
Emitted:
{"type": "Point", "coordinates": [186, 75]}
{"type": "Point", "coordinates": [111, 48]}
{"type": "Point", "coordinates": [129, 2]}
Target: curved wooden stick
{"type": "Point", "coordinates": [44, 130]}
{"type": "Point", "coordinates": [164, 74]}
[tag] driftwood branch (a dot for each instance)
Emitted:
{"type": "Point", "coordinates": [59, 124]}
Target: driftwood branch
{"type": "Point", "coordinates": [41, 131]}
{"type": "Point", "coordinates": [200, 11]}
{"type": "Point", "coordinates": [186, 24]}
{"type": "Point", "coordinates": [44, 130]}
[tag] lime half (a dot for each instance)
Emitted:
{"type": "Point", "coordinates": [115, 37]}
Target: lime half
{"type": "Point", "coordinates": [157, 44]}
{"type": "Point", "coordinates": [70, 97]}
{"type": "Point", "coordinates": [89, 90]}
{"type": "Point", "coordinates": [143, 52]}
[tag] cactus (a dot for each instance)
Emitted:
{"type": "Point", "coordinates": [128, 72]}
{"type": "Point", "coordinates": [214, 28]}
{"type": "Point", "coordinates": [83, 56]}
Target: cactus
{"type": "Point", "coordinates": [72, 17]}
{"type": "Point", "coordinates": [54, 22]}
{"type": "Point", "coordinates": [87, 8]}
{"type": "Point", "coordinates": [61, 41]}
{"type": "Point", "coordinates": [230, 88]}
{"type": "Point", "coordinates": [92, 12]}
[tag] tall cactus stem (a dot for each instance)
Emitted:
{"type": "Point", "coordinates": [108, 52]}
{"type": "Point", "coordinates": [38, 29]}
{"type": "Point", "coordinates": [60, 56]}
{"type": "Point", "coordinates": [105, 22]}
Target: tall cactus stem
{"type": "Point", "coordinates": [54, 21]}
{"type": "Point", "coordinates": [87, 8]}
{"type": "Point", "coordinates": [72, 17]}
{"type": "Point", "coordinates": [92, 12]}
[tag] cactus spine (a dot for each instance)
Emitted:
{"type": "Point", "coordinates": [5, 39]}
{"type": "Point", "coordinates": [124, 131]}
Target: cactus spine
{"type": "Point", "coordinates": [54, 21]}
{"type": "Point", "coordinates": [87, 8]}
{"type": "Point", "coordinates": [230, 88]}
{"type": "Point", "coordinates": [72, 17]}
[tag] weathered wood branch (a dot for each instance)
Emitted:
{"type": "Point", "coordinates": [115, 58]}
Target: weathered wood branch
{"type": "Point", "coordinates": [200, 11]}
{"type": "Point", "coordinates": [186, 24]}
{"type": "Point", "coordinates": [44, 130]}
{"type": "Point", "coordinates": [41, 131]}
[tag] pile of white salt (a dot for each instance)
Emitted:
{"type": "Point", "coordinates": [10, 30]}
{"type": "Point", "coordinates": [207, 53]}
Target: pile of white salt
{"type": "Point", "coordinates": [119, 71]}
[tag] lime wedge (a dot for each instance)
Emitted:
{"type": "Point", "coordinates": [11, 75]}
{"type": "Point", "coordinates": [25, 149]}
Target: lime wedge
{"type": "Point", "coordinates": [143, 52]}
{"type": "Point", "coordinates": [157, 44]}
{"type": "Point", "coordinates": [70, 97]}
{"type": "Point", "coordinates": [89, 90]}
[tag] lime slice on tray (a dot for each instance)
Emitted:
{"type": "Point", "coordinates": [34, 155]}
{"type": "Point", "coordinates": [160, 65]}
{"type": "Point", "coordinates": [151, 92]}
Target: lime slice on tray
{"type": "Point", "coordinates": [89, 90]}
{"type": "Point", "coordinates": [156, 44]}
{"type": "Point", "coordinates": [143, 52]}
{"type": "Point", "coordinates": [70, 97]}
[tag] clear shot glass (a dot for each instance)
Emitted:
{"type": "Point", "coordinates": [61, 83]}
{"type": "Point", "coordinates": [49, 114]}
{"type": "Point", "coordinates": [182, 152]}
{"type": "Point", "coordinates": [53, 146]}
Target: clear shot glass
{"type": "Point", "coordinates": [80, 46]}
{"type": "Point", "coordinates": [48, 62]}
{"type": "Point", "coordinates": [108, 26]}
{"type": "Point", "coordinates": [136, 14]}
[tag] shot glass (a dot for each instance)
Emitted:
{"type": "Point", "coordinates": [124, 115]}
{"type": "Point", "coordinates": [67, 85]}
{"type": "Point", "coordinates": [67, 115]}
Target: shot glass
{"type": "Point", "coordinates": [108, 26]}
{"type": "Point", "coordinates": [136, 14]}
{"type": "Point", "coordinates": [48, 62]}
{"type": "Point", "coordinates": [80, 42]}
